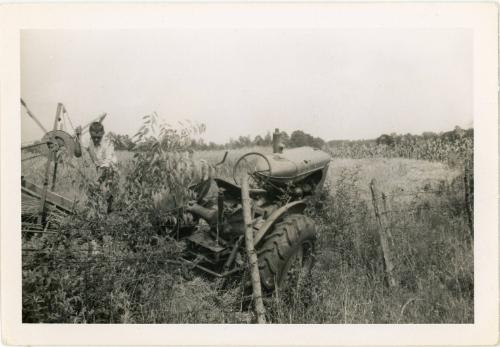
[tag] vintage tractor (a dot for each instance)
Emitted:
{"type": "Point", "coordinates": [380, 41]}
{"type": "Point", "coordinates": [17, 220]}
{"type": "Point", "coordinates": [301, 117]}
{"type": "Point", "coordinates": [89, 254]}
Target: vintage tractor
{"type": "Point", "coordinates": [280, 185]}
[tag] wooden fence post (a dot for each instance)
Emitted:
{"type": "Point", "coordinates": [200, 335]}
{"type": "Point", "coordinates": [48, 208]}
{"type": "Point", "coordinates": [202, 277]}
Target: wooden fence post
{"type": "Point", "coordinates": [384, 242]}
{"type": "Point", "coordinates": [384, 217]}
{"type": "Point", "coordinates": [469, 196]}
{"type": "Point", "coordinates": [252, 255]}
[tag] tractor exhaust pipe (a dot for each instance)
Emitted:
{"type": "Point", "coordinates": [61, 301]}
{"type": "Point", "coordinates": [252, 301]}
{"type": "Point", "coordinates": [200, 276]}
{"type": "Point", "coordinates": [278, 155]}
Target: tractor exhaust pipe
{"type": "Point", "coordinates": [276, 141]}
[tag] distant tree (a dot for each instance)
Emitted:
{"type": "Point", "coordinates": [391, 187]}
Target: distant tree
{"type": "Point", "coordinates": [258, 141]}
{"type": "Point", "coordinates": [385, 140]}
{"type": "Point", "coordinates": [284, 138]}
{"type": "Point", "coordinates": [268, 140]}
{"type": "Point", "coordinates": [454, 135]}
{"type": "Point", "coordinates": [232, 143]}
{"type": "Point", "coordinates": [244, 141]}
{"type": "Point", "coordinates": [200, 145]}
{"type": "Point", "coordinates": [318, 142]}
{"type": "Point", "coordinates": [300, 138]}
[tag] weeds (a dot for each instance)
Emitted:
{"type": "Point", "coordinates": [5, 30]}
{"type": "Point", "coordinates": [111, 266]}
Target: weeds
{"type": "Point", "coordinates": [431, 247]}
{"type": "Point", "coordinates": [123, 268]}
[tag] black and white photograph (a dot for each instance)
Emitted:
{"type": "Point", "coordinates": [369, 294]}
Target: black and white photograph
{"type": "Point", "coordinates": [247, 174]}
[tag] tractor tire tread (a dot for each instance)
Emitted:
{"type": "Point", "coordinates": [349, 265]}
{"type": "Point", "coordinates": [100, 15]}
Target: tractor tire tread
{"type": "Point", "coordinates": [280, 245]}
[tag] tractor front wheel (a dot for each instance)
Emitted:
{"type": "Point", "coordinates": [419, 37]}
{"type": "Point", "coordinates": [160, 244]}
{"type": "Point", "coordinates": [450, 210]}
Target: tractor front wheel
{"type": "Point", "coordinates": [287, 253]}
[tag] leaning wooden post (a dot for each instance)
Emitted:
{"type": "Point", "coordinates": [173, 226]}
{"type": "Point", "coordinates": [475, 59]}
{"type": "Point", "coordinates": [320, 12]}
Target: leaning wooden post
{"type": "Point", "coordinates": [252, 255]}
{"type": "Point", "coordinates": [384, 242]}
{"type": "Point", "coordinates": [469, 193]}
{"type": "Point", "coordinates": [384, 218]}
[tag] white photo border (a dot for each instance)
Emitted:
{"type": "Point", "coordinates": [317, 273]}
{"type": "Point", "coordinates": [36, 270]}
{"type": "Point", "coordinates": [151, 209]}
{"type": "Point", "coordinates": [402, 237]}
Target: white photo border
{"type": "Point", "coordinates": [482, 18]}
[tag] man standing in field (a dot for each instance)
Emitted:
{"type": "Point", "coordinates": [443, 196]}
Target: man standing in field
{"type": "Point", "coordinates": [102, 154]}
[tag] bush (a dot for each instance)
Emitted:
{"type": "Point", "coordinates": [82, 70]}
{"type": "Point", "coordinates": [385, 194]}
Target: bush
{"type": "Point", "coordinates": [102, 268]}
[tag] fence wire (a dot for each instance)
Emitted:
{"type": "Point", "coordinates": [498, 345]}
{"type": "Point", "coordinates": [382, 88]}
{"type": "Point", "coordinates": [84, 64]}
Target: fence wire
{"type": "Point", "coordinates": [102, 256]}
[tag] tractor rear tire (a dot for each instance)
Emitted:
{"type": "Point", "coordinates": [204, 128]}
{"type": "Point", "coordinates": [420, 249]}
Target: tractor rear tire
{"type": "Point", "coordinates": [290, 241]}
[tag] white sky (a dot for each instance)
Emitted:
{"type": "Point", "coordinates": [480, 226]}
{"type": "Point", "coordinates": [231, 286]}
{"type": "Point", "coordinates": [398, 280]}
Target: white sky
{"type": "Point", "coordinates": [332, 83]}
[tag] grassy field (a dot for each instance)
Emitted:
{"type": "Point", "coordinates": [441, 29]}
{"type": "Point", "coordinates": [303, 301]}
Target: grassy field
{"type": "Point", "coordinates": [430, 242]}
{"type": "Point", "coordinates": [392, 174]}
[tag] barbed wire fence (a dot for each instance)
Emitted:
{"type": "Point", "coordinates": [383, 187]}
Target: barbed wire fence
{"type": "Point", "coordinates": [385, 213]}
{"type": "Point", "coordinates": [380, 214]}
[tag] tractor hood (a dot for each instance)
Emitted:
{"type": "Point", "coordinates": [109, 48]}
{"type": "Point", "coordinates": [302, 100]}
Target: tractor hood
{"type": "Point", "coordinates": [293, 164]}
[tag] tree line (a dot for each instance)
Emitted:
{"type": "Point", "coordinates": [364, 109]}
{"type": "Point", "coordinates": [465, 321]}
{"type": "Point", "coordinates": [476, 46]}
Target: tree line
{"type": "Point", "coordinates": [297, 138]}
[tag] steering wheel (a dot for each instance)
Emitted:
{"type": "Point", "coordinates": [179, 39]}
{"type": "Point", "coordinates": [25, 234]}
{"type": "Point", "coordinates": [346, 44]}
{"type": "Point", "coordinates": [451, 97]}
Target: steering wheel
{"type": "Point", "coordinates": [250, 174]}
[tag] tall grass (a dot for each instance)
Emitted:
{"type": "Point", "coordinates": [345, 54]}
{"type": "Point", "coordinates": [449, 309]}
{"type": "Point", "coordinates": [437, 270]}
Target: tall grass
{"type": "Point", "coordinates": [115, 269]}
{"type": "Point", "coordinates": [432, 251]}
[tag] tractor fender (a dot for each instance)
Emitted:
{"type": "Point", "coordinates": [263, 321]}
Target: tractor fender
{"type": "Point", "coordinates": [296, 206]}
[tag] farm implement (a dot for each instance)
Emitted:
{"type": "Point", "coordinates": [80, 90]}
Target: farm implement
{"type": "Point", "coordinates": [55, 145]}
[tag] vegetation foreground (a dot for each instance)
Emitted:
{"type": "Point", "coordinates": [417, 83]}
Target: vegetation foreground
{"type": "Point", "coordinates": [120, 269]}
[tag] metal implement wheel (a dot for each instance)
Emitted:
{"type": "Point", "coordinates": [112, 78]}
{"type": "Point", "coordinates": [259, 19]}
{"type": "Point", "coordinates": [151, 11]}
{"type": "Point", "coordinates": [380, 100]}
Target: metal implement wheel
{"type": "Point", "coordinates": [286, 256]}
{"type": "Point", "coordinates": [252, 179]}
{"type": "Point", "coordinates": [57, 140]}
